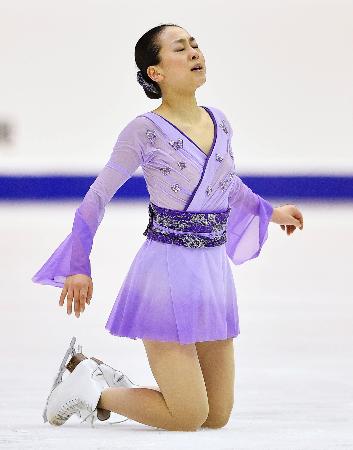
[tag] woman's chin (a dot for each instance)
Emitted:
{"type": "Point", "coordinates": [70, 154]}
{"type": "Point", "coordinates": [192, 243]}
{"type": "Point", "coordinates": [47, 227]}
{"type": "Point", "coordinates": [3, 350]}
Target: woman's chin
{"type": "Point", "coordinates": [201, 82]}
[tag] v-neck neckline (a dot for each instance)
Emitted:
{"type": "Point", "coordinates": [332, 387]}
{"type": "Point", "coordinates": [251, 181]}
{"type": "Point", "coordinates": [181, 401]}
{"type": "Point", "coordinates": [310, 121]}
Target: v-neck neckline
{"type": "Point", "coordinates": [210, 113]}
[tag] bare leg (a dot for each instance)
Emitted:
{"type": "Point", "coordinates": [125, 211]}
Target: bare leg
{"type": "Point", "coordinates": [181, 404]}
{"type": "Point", "coordinates": [141, 404]}
{"type": "Point", "coordinates": [218, 368]}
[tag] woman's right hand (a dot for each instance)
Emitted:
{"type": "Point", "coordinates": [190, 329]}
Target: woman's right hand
{"type": "Point", "coordinates": [289, 217]}
{"type": "Point", "coordinates": [78, 287]}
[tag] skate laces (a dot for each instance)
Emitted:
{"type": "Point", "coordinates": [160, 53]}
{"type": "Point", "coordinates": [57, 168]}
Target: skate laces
{"type": "Point", "coordinates": [97, 369]}
{"type": "Point", "coordinates": [118, 376]}
{"type": "Point", "coordinates": [94, 419]}
{"type": "Point", "coordinates": [92, 416]}
{"type": "Point", "coordinates": [69, 408]}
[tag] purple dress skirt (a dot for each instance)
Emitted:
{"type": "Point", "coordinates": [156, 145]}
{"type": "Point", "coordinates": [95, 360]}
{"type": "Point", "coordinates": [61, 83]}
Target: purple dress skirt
{"type": "Point", "coordinates": [175, 290]}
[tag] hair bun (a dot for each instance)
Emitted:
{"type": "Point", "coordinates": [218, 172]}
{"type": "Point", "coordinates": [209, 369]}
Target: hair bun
{"type": "Point", "coordinates": [148, 86]}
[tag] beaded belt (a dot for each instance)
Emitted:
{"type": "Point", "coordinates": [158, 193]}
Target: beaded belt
{"type": "Point", "coordinates": [187, 228]}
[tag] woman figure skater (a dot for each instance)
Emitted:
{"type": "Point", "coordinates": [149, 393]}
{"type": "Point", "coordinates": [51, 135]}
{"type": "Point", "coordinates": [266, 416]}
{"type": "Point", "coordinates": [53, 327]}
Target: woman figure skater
{"type": "Point", "coordinates": [179, 295]}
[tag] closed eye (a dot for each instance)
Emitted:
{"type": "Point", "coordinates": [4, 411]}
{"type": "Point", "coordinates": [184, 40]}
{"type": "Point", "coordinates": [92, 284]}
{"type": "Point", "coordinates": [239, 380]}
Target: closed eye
{"type": "Point", "coordinates": [184, 49]}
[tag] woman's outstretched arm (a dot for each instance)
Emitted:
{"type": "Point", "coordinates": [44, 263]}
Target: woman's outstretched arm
{"type": "Point", "coordinates": [72, 256]}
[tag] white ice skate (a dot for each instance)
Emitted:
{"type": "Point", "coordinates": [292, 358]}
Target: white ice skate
{"type": "Point", "coordinates": [112, 377]}
{"type": "Point", "coordinates": [79, 391]}
{"type": "Point", "coordinates": [58, 378]}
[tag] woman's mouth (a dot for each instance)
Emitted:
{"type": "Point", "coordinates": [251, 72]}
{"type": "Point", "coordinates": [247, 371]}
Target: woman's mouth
{"type": "Point", "coordinates": [197, 67]}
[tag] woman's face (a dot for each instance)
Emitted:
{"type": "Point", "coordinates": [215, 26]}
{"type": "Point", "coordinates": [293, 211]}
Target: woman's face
{"type": "Point", "coordinates": [179, 53]}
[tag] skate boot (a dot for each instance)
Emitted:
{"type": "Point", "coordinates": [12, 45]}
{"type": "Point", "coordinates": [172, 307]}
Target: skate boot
{"type": "Point", "coordinates": [111, 376]}
{"type": "Point", "coordinates": [79, 391]}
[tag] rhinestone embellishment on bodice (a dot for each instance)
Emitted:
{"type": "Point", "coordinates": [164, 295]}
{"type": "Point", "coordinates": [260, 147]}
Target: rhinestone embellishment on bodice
{"type": "Point", "coordinates": [176, 144]}
{"type": "Point", "coordinates": [165, 170]}
{"type": "Point", "coordinates": [181, 165]}
{"type": "Point", "coordinates": [229, 149]}
{"type": "Point", "coordinates": [175, 187]}
{"type": "Point", "coordinates": [151, 136]}
{"type": "Point", "coordinates": [226, 181]}
{"type": "Point", "coordinates": [223, 126]}
{"type": "Point", "coordinates": [219, 157]}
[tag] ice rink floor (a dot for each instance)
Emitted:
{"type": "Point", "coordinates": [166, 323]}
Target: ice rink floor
{"type": "Point", "coordinates": [294, 365]}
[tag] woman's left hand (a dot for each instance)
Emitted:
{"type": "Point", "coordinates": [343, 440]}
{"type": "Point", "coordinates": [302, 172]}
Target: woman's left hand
{"type": "Point", "coordinates": [288, 217]}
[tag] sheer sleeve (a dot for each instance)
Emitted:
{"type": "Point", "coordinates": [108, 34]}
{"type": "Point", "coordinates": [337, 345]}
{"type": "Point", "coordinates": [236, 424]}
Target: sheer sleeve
{"type": "Point", "coordinates": [72, 255]}
{"type": "Point", "coordinates": [247, 226]}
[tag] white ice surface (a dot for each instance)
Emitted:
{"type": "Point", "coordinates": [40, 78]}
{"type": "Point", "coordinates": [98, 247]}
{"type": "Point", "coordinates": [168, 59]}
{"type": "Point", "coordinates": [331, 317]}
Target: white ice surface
{"type": "Point", "coordinates": [294, 365]}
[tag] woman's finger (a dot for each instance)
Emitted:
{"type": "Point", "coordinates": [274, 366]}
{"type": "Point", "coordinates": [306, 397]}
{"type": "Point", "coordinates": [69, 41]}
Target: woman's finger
{"type": "Point", "coordinates": [83, 295]}
{"type": "Point", "coordinates": [301, 220]}
{"type": "Point", "coordinates": [299, 216]}
{"type": "Point", "coordinates": [70, 297]}
{"type": "Point", "coordinates": [288, 229]}
{"type": "Point", "coordinates": [63, 295]}
{"type": "Point", "coordinates": [77, 301]}
{"type": "Point", "coordinates": [89, 293]}
{"type": "Point", "coordinates": [295, 222]}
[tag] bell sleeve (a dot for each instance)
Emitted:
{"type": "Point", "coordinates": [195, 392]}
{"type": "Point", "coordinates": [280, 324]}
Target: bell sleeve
{"type": "Point", "coordinates": [72, 255]}
{"type": "Point", "coordinates": [247, 225]}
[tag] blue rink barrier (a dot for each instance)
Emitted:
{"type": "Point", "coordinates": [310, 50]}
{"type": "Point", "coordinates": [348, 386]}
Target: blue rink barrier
{"type": "Point", "coordinates": [60, 187]}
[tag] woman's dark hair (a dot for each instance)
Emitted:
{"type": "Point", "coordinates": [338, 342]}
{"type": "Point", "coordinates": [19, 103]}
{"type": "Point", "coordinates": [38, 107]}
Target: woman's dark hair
{"type": "Point", "coordinates": [147, 54]}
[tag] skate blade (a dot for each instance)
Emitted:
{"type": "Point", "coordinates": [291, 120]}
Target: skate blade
{"type": "Point", "coordinates": [58, 379]}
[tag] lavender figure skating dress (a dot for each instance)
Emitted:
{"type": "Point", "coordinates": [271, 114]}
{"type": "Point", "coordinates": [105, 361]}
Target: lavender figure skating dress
{"type": "Point", "coordinates": [171, 292]}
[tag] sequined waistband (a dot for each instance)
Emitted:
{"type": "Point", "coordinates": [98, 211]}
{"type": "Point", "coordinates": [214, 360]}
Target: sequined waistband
{"type": "Point", "coordinates": [187, 228]}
